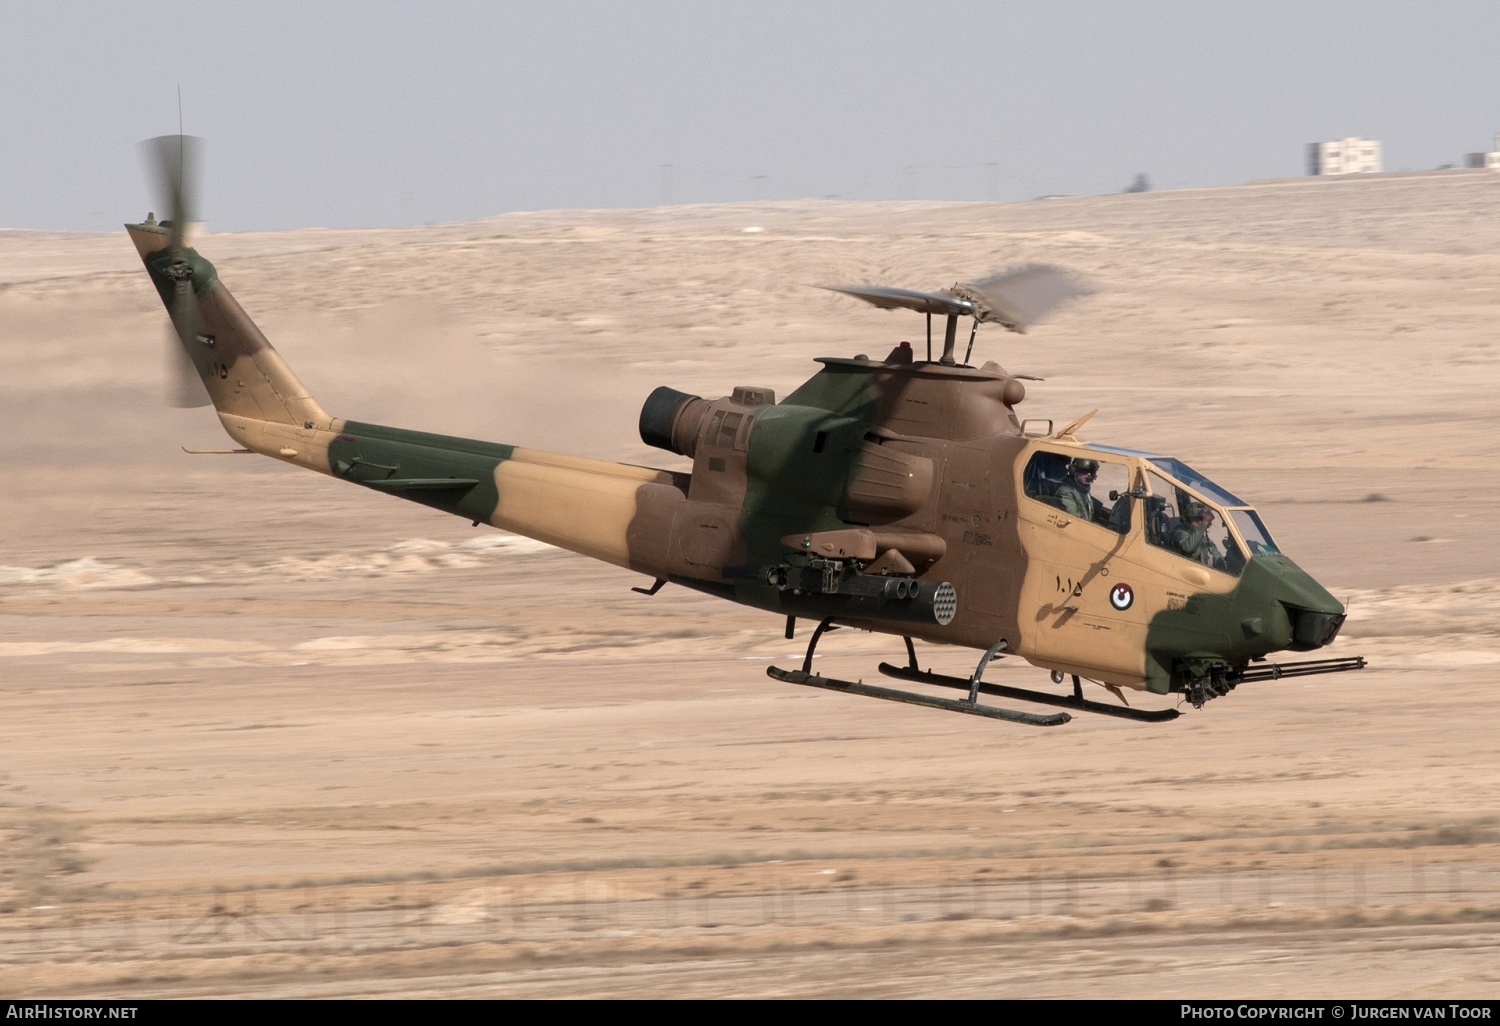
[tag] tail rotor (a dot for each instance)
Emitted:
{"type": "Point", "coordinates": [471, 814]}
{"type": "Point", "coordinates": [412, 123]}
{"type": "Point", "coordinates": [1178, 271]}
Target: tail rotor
{"type": "Point", "coordinates": [173, 161]}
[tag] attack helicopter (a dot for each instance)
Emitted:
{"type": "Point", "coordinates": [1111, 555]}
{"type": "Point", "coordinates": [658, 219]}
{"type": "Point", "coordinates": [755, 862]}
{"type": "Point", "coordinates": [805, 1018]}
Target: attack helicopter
{"type": "Point", "coordinates": [897, 495]}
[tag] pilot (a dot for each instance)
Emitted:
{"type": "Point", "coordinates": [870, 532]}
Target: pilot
{"type": "Point", "coordinates": [1074, 494]}
{"type": "Point", "coordinates": [1191, 536]}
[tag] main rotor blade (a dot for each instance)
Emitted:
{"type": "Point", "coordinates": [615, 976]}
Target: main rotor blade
{"type": "Point", "coordinates": [173, 159]}
{"type": "Point", "coordinates": [1022, 296]}
{"type": "Point", "coordinates": [888, 298]}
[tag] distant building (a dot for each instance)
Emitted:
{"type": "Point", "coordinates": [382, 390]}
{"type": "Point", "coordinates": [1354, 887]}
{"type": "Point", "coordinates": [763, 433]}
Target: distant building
{"type": "Point", "coordinates": [1343, 157]}
{"type": "Point", "coordinates": [1489, 161]}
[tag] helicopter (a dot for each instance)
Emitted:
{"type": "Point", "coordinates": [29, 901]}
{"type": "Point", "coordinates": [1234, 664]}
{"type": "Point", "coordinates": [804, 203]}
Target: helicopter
{"type": "Point", "coordinates": [897, 495]}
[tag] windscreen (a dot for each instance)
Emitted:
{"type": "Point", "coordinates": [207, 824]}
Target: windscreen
{"type": "Point", "coordinates": [1197, 482]}
{"type": "Point", "coordinates": [1184, 525]}
{"type": "Point", "coordinates": [1253, 531]}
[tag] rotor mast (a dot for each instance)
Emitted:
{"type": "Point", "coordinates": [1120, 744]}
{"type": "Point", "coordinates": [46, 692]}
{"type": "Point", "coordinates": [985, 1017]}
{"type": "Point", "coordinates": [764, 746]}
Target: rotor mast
{"type": "Point", "coordinates": [949, 334]}
{"type": "Point", "coordinates": [950, 340]}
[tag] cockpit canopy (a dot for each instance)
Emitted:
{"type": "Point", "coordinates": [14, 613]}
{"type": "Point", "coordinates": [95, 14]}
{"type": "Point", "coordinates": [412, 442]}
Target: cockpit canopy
{"type": "Point", "coordinates": [1181, 510]}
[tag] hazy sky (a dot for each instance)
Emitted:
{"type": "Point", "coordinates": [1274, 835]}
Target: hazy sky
{"type": "Point", "coordinates": [370, 114]}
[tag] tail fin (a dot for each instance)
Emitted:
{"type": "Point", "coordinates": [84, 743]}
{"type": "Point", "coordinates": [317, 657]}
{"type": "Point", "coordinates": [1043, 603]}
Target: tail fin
{"type": "Point", "coordinates": [261, 403]}
{"type": "Point", "coordinates": [617, 513]}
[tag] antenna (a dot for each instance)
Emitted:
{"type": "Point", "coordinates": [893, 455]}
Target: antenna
{"type": "Point", "coordinates": [181, 149]}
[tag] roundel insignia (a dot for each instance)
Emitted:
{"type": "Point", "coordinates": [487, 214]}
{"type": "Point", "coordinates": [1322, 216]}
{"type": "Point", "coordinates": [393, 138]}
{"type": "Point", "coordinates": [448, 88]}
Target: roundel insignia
{"type": "Point", "coordinates": [1121, 596]}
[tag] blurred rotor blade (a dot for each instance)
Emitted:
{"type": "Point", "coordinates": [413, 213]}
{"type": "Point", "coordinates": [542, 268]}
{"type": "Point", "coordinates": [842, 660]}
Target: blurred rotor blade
{"type": "Point", "coordinates": [1023, 296]}
{"type": "Point", "coordinates": [173, 159]}
{"type": "Point", "coordinates": [184, 389]}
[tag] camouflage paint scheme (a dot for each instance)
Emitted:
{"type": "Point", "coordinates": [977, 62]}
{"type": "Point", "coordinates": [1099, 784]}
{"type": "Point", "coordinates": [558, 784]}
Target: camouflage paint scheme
{"type": "Point", "coordinates": [907, 468]}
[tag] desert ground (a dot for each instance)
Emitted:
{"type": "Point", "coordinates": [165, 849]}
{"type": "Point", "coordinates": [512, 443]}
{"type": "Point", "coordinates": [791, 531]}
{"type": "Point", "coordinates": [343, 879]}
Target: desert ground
{"type": "Point", "coordinates": [268, 735]}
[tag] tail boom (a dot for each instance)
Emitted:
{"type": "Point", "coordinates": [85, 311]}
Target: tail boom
{"type": "Point", "coordinates": [614, 512]}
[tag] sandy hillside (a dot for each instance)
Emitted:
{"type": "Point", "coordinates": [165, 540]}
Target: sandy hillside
{"type": "Point", "coordinates": [266, 734]}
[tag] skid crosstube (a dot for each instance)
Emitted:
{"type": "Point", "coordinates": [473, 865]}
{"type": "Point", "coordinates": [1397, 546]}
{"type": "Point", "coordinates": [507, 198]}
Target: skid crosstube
{"type": "Point", "coordinates": [1003, 691]}
{"type": "Point", "coordinates": [892, 695]}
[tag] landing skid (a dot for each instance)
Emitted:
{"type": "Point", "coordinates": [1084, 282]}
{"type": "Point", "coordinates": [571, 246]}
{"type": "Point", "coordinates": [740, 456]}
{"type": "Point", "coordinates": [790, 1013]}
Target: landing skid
{"type": "Point", "coordinates": [911, 698]}
{"type": "Point", "coordinates": [971, 706]}
{"type": "Point", "coordinates": [1073, 701]}
{"type": "Point", "coordinates": [975, 687]}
